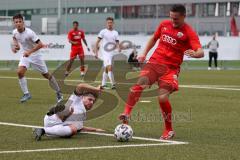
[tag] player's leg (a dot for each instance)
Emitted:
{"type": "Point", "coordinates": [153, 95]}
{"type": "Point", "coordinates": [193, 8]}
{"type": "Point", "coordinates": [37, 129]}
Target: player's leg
{"type": "Point", "coordinates": [81, 57]}
{"type": "Point", "coordinates": [68, 67]}
{"type": "Point", "coordinates": [82, 68]}
{"type": "Point", "coordinates": [108, 63]}
{"type": "Point", "coordinates": [166, 110]}
{"type": "Point", "coordinates": [168, 83]}
{"type": "Point", "coordinates": [22, 68]}
{"type": "Point", "coordinates": [54, 127]}
{"type": "Point", "coordinates": [73, 55]}
{"type": "Point", "coordinates": [104, 77]}
{"type": "Point", "coordinates": [53, 83]}
{"type": "Point", "coordinates": [215, 60]}
{"type": "Point", "coordinates": [55, 131]}
{"type": "Point", "coordinates": [147, 77]}
{"type": "Point", "coordinates": [210, 61]}
{"type": "Point", "coordinates": [110, 75]}
{"type": "Point", "coordinates": [61, 130]}
{"type": "Point", "coordinates": [39, 64]}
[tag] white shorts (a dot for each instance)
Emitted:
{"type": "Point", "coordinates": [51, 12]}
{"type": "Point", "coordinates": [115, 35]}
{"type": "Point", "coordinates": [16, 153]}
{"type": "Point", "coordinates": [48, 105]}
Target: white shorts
{"type": "Point", "coordinates": [107, 58]}
{"type": "Point", "coordinates": [53, 120]}
{"type": "Point", "coordinates": [107, 61]}
{"type": "Point", "coordinates": [36, 61]}
{"type": "Point", "coordinates": [50, 121]}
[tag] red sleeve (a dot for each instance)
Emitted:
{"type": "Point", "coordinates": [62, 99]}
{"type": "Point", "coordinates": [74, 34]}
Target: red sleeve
{"type": "Point", "coordinates": [194, 41]}
{"type": "Point", "coordinates": [83, 35]}
{"type": "Point", "coordinates": [70, 36]}
{"type": "Point", "coordinates": [157, 33]}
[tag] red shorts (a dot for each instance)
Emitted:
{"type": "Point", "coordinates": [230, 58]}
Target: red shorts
{"type": "Point", "coordinates": [77, 52]}
{"type": "Point", "coordinates": [166, 77]}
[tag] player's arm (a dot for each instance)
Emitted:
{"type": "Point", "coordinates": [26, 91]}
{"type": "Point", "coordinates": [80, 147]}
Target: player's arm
{"type": "Point", "coordinates": [64, 115]}
{"type": "Point", "coordinates": [14, 45]}
{"type": "Point", "coordinates": [72, 42]}
{"type": "Point", "coordinates": [196, 50]}
{"type": "Point", "coordinates": [199, 53]}
{"type": "Point", "coordinates": [151, 42]}
{"type": "Point", "coordinates": [118, 46]}
{"type": "Point", "coordinates": [85, 42]}
{"type": "Point", "coordinates": [83, 88]}
{"type": "Point", "coordinates": [91, 129]}
{"type": "Point", "coordinates": [97, 46]}
{"type": "Point", "coordinates": [38, 46]}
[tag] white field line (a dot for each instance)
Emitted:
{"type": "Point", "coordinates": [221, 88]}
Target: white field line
{"type": "Point", "coordinates": [213, 87]}
{"type": "Point", "coordinates": [97, 133]}
{"type": "Point", "coordinates": [143, 101]}
{"type": "Point", "coordinates": [86, 148]}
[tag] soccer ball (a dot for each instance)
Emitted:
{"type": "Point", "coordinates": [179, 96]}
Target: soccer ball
{"type": "Point", "coordinates": [123, 133]}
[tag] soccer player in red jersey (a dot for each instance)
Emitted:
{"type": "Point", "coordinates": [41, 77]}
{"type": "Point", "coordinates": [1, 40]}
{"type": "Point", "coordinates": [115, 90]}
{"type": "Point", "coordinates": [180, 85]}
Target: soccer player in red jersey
{"type": "Point", "coordinates": [75, 37]}
{"type": "Point", "coordinates": [176, 39]}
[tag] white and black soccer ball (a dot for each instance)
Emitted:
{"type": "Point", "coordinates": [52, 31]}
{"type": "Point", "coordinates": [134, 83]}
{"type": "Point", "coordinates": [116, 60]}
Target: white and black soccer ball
{"type": "Point", "coordinates": [123, 133]}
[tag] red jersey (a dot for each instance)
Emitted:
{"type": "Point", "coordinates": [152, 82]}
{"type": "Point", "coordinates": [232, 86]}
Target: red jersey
{"type": "Point", "coordinates": [76, 36]}
{"type": "Point", "coordinates": [173, 43]}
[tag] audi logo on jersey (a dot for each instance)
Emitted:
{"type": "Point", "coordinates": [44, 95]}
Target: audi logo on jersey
{"type": "Point", "coordinates": [169, 39]}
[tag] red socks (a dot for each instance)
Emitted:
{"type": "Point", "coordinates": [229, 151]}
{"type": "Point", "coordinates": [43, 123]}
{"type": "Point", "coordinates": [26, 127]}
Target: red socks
{"type": "Point", "coordinates": [82, 68]}
{"type": "Point", "coordinates": [133, 97]}
{"type": "Point", "coordinates": [167, 114]}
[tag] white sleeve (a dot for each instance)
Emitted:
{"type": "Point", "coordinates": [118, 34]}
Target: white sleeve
{"type": "Point", "coordinates": [34, 36]}
{"type": "Point", "coordinates": [101, 34]}
{"type": "Point", "coordinates": [14, 33]}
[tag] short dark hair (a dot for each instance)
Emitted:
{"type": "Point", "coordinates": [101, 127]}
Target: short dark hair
{"type": "Point", "coordinates": [95, 95]}
{"type": "Point", "coordinates": [109, 19]}
{"type": "Point", "coordinates": [18, 16]}
{"type": "Point", "coordinates": [178, 8]}
{"type": "Point", "coordinates": [75, 22]}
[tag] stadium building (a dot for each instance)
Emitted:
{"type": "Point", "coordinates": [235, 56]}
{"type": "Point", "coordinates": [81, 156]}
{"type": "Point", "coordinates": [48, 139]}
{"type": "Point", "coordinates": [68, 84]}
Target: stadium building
{"type": "Point", "coordinates": [132, 17]}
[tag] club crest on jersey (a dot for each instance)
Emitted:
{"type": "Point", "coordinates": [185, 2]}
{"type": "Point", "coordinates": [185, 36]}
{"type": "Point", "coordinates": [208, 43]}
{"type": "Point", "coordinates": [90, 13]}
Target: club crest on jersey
{"type": "Point", "coordinates": [179, 34]}
{"type": "Point", "coordinates": [164, 29]}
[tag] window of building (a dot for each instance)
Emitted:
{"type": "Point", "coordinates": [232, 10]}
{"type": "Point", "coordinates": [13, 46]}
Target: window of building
{"type": "Point", "coordinates": [190, 9]}
{"type": "Point", "coordinates": [207, 9]}
{"type": "Point", "coordinates": [130, 11]}
{"type": "Point", "coordinates": [52, 11]}
{"type": "Point", "coordinates": [147, 11]}
{"type": "Point", "coordinates": [222, 9]}
{"type": "Point", "coordinates": [234, 7]}
{"type": "Point", "coordinates": [163, 10]}
{"type": "Point", "coordinates": [3, 13]}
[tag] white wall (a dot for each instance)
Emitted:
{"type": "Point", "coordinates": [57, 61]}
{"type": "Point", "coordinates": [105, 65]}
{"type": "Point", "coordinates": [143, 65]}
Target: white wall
{"type": "Point", "coordinates": [59, 48]}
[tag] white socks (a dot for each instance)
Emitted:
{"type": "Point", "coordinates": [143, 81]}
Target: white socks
{"type": "Point", "coordinates": [58, 131]}
{"type": "Point", "coordinates": [111, 77]}
{"type": "Point", "coordinates": [53, 83]}
{"type": "Point", "coordinates": [23, 85]}
{"type": "Point", "coordinates": [104, 78]}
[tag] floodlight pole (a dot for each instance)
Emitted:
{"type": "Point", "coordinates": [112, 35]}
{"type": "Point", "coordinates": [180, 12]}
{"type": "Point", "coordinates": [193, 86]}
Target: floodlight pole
{"type": "Point", "coordinates": [59, 17]}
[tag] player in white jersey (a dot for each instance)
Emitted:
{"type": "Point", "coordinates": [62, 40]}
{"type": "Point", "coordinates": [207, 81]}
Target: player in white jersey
{"type": "Point", "coordinates": [110, 42]}
{"type": "Point", "coordinates": [67, 119]}
{"type": "Point", "coordinates": [30, 45]}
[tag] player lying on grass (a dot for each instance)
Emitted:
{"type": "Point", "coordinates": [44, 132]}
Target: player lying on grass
{"type": "Point", "coordinates": [65, 120]}
{"type": "Point", "coordinates": [176, 39]}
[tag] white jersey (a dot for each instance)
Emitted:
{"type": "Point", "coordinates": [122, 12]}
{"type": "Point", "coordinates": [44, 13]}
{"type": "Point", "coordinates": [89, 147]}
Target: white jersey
{"type": "Point", "coordinates": [108, 36]}
{"type": "Point", "coordinates": [213, 46]}
{"type": "Point", "coordinates": [27, 39]}
{"type": "Point", "coordinates": [76, 119]}
{"type": "Point", "coordinates": [79, 114]}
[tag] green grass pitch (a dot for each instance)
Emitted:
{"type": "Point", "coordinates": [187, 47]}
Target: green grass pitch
{"type": "Point", "coordinates": [207, 118]}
